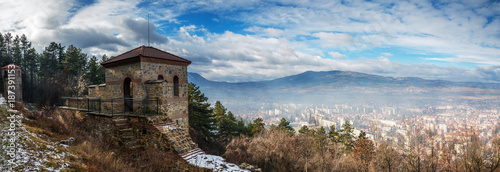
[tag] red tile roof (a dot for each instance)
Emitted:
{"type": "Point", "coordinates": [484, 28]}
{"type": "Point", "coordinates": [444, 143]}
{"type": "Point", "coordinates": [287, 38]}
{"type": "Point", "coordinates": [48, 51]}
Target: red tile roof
{"type": "Point", "coordinates": [148, 52]}
{"type": "Point", "coordinates": [15, 66]}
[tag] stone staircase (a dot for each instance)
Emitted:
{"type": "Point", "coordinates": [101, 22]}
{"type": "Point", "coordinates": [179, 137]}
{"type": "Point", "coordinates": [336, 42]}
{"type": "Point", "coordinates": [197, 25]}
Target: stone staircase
{"type": "Point", "coordinates": [177, 136]}
{"type": "Point", "coordinates": [193, 153]}
{"type": "Point", "coordinates": [124, 132]}
{"type": "Point", "coordinates": [174, 135]}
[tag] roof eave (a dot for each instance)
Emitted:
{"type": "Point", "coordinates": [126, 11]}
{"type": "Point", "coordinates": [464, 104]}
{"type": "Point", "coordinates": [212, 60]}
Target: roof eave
{"type": "Point", "coordinates": [108, 64]}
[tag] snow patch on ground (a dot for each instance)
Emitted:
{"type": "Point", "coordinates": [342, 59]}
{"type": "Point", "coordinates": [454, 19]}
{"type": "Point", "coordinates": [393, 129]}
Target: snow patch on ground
{"type": "Point", "coordinates": [32, 153]}
{"type": "Point", "coordinates": [170, 127]}
{"type": "Point", "coordinates": [216, 163]}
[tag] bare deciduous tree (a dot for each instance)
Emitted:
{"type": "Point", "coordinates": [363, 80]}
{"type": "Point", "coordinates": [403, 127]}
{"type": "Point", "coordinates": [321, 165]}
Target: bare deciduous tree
{"type": "Point", "coordinates": [386, 159]}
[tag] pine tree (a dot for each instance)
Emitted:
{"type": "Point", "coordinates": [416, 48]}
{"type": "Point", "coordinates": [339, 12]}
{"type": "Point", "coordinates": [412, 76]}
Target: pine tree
{"type": "Point", "coordinates": [320, 145]}
{"type": "Point", "coordinates": [257, 127]}
{"type": "Point", "coordinates": [16, 50]}
{"type": "Point", "coordinates": [241, 128]}
{"type": "Point", "coordinates": [362, 135]}
{"type": "Point", "coordinates": [32, 59]}
{"type": "Point", "coordinates": [220, 116]}
{"type": "Point", "coordinates": [8, 44]}
{"type": "Point", "coordinates": [320, 138]}
{"type": "Point", "coordinates": [59, 52]}
{"type": "Point", "coordinates": [5, 58]}
{"type": "Point", "coordinates": [347, 136]}
{"type": "Point", "coordinates": [92, 73]}
{"type": "Point", "coordinates": [304, 130]}
{"type": "Point", "coordinates": [201, 116]}
{"type": "Point", "coordinates": [25, 46]}
{"type": "Point", "coordinates": [49, 64]}
{"type": "Point", "coordinates": [285, 126]}
{"type": "Point", "coordinates": [101, 77]}
{"type": "Point", "coordinates": [333, 134]}
{"type": "Point", "coordinates": [219, 112]}
{"type": "Point", "coordinates": [75, 60]}
{"type": "Point", "coordinates": [227, 126]}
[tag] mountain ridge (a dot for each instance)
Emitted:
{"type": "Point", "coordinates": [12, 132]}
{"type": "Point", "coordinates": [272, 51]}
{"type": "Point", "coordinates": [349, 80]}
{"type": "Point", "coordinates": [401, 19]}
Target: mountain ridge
{"type": "Point", "coordinates": [343, 85]}
{"type": "Point", "coordinates": [314, 74]}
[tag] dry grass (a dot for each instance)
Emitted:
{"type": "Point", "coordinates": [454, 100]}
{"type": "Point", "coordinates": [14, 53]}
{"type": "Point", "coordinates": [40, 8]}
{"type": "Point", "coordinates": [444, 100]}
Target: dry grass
{"type": "Point", "coordinates": [96, 159]}
{"type": "Point", "coordinates": [94, 148]}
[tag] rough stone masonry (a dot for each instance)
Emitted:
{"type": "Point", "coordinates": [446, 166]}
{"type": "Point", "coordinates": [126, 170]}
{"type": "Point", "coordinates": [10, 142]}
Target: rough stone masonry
{"type": "Point", "coordinates": [147, 73]}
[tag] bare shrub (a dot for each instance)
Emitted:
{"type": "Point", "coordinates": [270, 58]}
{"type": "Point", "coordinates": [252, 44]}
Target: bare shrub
{"type": "Point", "coordinates": [386, 159]}
{"type": "Point", "coordinates": [279, 151]}
{"type": "Point", "coordinates": [97, 159]}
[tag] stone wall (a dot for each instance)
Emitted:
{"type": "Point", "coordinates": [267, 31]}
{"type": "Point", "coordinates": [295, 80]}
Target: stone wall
{"type": "Point", "coordinates": [154, 89]}
{"type": "Point", "coordinates": [93, 91]}
{"type": "Point", "coordinates": [145, 84]}
{"type": "Point", "coordinates": [101, 90]}
{"type": "Point", "coordinates": [119, 73]}
{"type": "Point", "coordinates": [176, 107]}
{"type": "Point", "coordinates": [145, 71]}
{"type": "Point", "coordinates": [152, 70]}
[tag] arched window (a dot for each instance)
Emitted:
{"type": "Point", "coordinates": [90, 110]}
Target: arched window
{"type": "Point", "coordinates": [176, 86]}
{"type": "Point", "coordinates": [127, 94]}
{"type": "Point", "coordinates": [160, 77]}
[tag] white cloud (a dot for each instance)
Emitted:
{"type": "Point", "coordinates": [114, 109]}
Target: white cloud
{"type": "Point", "coordinates": [270, 32]}
{"type": "Point", "coordinates": [284, 39]}
{"type": "Point", "coordinates": [454, 28]}
{"type": "Point", "coordinates": [236, 57]}
{"type": "Point", "coordinates": [334, 39]}
{"type": "Point", "coordinates": [104, 26]}
{"type": "Point", "coordinates": [336, 55]}
{"type": "Point", "coordinates": [465, 58]}
{"type": "Point", "coordinates": [387, 54]}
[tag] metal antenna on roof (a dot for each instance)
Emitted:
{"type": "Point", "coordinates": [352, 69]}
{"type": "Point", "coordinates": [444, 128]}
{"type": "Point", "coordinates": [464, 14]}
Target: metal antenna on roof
{"type": "Point", "coordinates": [148, 29]}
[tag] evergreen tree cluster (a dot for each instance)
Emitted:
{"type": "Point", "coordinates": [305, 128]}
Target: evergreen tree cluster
{"type": "Point", "coordinates": [216, 126]}
{"type": "Point", "coordinates": [217, 123]}
{"type": "Point", "coordinates": [54, 72]}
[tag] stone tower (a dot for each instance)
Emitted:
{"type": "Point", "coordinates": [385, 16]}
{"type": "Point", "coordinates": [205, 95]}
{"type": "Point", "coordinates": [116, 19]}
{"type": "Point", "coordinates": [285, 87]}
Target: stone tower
{"type": "Point", "coordinates": [147, 73]}
{"type": "Point", "coordinates": [12, 82]}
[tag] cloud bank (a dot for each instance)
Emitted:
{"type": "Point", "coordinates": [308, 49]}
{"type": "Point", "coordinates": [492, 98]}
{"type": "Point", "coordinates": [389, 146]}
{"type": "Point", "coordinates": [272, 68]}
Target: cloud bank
{"type": "Point", "coordinates": [261, 40]}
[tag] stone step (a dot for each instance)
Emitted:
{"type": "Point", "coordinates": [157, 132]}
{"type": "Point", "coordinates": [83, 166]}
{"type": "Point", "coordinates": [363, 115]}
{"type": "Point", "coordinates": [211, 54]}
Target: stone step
{"type": "Point", "coordinates": [189, 153]}
{"type": "Point", "coordinates": [192, 154]}
{"type": "Point", "coordinates": [120, 126]}
{"type": "Point", "coordinates": [123, 130]}
{"type": "Point", "coordinates": [167, 126]}
{"type": "Point", "coordinates": [127, 136]}
{"type": "Point", "coordinates": [120, 119]}
{"type": "Point", "coordinates": [130, 144]}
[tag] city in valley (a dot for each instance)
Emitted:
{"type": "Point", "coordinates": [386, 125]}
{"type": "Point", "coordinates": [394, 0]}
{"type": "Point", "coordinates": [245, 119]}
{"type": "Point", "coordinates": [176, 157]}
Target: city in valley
{"type": "Point", "coordinates": [444, 128]}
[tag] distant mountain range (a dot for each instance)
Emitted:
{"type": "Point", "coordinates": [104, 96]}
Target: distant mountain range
{"type": "Point", "coordinates": [341, 86]}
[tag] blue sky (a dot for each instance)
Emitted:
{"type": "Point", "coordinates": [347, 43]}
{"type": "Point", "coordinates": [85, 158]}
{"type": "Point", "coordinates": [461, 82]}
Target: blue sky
{"type": "Point", "coordinates": [259, 40]}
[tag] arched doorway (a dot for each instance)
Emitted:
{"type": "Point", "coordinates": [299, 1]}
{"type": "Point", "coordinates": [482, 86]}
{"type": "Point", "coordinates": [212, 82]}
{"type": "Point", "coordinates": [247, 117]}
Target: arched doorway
{"type": "Point", "coordinates": [127, 94]}
{"type": "Point", "coordinates": [160, 77]}
{"type": "Point", "coordinates": [176, 86]}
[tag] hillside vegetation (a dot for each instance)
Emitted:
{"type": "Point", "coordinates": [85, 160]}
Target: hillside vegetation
{"type": "Point", "coordinates": [92, 150]}
{"type": "Point", "coordinates": [279, 148]}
